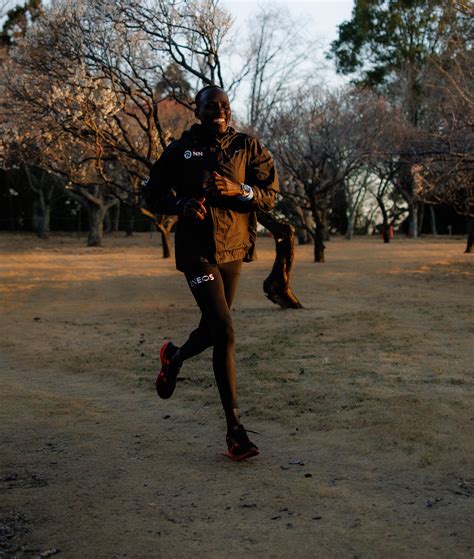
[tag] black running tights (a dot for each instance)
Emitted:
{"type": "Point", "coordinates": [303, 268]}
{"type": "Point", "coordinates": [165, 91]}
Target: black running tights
{"type": "Point", "coordinates": [214, 288]}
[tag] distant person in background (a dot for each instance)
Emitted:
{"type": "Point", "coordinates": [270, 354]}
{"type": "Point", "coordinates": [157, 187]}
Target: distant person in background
{"type": "Point", "coordinates": [214, 179]}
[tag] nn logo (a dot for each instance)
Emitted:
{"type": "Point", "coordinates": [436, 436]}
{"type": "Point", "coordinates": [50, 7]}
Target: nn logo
{"type": "Point", "coordinates": [188, 154]}
{"type": "Point", "coordinates": [201, 279]}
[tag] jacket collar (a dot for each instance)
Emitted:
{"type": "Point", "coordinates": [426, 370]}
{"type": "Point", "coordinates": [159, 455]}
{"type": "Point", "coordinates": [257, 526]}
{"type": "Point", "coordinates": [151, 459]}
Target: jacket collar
{"type": "Point", "coordinates": [198, 134]}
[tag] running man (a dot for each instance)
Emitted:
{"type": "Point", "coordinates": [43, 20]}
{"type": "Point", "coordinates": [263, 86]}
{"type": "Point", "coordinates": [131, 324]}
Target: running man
{"type": "Point", "coordinates": [213, 178]}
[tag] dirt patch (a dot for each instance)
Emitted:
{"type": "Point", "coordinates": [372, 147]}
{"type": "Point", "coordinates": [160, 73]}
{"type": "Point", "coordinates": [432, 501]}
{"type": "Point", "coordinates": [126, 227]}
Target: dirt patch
{"type": "Point", "coordinates": [363, 401]}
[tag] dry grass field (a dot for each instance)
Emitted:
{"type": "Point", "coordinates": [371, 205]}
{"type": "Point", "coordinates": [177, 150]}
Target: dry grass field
{"type": "Point", "coordinates": [363, 401]}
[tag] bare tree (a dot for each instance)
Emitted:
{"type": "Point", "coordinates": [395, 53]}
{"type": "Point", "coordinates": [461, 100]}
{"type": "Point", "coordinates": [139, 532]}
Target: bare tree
{"type": "Point", "coordinates": [322, 141]}
{"type": "Point", "coordinates": [443, 154]}
{"type": "Point", "coordinates": [356, 190]}
{"type": "Point", "coordinates": [389, 201]}
{"type": "Point", "coordinates": [449, 179]}
{"type": "Point", "coordinates": [42, 184]}
{"type": "Point", "coordinates": [276, 63]}
{"type": "Point", "coordinates": [87, 85]}
{"type": "Point", "coordinates": [188, 34]}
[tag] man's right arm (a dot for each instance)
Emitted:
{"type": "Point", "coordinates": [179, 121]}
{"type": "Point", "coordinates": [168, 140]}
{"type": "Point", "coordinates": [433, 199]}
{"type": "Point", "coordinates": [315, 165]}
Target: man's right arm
{"type": "Point", "coordinates": [157, 191]}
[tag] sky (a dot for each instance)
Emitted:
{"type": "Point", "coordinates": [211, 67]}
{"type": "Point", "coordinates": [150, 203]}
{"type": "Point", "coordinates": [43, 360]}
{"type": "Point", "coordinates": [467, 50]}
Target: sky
{"type": "Point", "coordinates": [320, 18]}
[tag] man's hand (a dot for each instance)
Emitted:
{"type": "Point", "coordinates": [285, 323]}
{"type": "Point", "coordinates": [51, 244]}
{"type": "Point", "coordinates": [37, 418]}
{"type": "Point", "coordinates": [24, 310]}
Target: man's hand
{"type": "Point", "coordinates": [194, 207]}
{"type": "Point", "coordinates": [218, 185]}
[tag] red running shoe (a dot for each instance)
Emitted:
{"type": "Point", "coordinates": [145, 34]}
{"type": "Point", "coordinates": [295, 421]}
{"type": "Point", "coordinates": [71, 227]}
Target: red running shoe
{"type": "Point", "coordinates": [239, 446]}
{"type": "Point", "coordinates": [166, 379]}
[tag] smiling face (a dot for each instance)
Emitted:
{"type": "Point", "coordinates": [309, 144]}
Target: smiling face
{"type": "Point", "coordinates": [213, 110]}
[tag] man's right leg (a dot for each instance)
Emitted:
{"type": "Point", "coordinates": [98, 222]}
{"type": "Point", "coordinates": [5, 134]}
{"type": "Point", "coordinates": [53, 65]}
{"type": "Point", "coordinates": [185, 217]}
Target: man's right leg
{"type": "Point", "coordinates": [214, 290]}
{"type": "Point", "coordinates": [201, 338]}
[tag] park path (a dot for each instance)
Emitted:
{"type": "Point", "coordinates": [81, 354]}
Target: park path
{"type": "Point", "coordinates": [95, 470]}
{"type": "Point", "coordinates": [365, 430]}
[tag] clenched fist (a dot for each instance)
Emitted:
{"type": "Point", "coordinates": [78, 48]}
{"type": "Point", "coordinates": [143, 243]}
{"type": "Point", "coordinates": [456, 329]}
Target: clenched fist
{"type": "Point", "coordinates": [218, 185]}
{"type": "Point", "coordinates": [194, 207]}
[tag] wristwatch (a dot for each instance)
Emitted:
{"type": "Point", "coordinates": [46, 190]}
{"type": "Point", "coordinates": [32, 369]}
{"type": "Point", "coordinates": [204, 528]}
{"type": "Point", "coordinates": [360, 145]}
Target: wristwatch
{"type": "Point", "coordinates": [246, 190]}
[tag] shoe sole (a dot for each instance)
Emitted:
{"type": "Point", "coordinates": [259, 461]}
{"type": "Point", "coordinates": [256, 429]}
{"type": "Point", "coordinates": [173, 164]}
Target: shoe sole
{"type": "Point", "coordinates": [244, 456]}
{"type": "Point", "coordinates": [162, 352]}
{"type": "Point", "coordinates": [168, 384]}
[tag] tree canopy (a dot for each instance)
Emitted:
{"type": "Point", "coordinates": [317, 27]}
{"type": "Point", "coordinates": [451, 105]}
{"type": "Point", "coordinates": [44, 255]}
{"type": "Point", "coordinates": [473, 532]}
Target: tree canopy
{"type": "Point", "coordinates": [383, 37]}
{"type": "Point", "coordinates": [18, 20]}
{"type": "Point", "coordinates": [389, 44]}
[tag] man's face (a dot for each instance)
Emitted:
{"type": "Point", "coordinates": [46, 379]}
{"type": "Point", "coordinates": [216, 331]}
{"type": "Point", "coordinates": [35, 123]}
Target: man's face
{"type": "Point", "coordinates": [214, 111]}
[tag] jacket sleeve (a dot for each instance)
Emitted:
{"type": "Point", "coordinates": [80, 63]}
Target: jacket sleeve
{"type": "Point", "coordinates": [157, 192]}
{"type": "Point", "coordinates": [262, 176]}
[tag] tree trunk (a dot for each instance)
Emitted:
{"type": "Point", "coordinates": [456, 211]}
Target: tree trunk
{"type": "Point", "coordinates": [41, 215]}
{"type": "Point", "coordinates": [36, 216]}
{"type": "Point", "coordinates": [107, 221]}
{"type": "Point", "coordinates": [302, 232]}
{"type": "Point", "coordinates": [277, 285]}
{"type": "Point", "coordinates": [79, 220]}
{"type": "Point", "coordinates": [303, 237]}
{"type": "Point", "coordinates": [129, 212]}
{"type": "Point", "coordinates": [11, 210]}
{"type": "Point", "coordinates": [420, 217]}
{"type": "Point", "coordinates": [470, 236]}
{"type": "Point", "coordinates": [165, 240]}
{"type": "Point", "coordinates": [434, 230]}
{"type": "Point", "coordinates": [96, 213]}
{"type": "Point", "coordinates": [164, 224]}
{"type": "Point", "coordinates": [413, 221]}
{"type": "Point", "coordinates": [42, 186]}
{"type": "Point", "coordinates": [319, 246]}
{"type": "Point", "coordinates": [385, 225]}
{"type": "Point", "coordinates": [350, 227]}
{"type": "Point", "coordinates": [385, 228]}
{"type": "Point", "coordinates": [116, 220]}
{"type": "Point", "coordinates": [130, 225]}
{"type": "Point", "coordinates": [111, 216]}
{"type": "Point", "coordinates": [319, 236]}
{"type": "Point", "coordinates": [43, 232]}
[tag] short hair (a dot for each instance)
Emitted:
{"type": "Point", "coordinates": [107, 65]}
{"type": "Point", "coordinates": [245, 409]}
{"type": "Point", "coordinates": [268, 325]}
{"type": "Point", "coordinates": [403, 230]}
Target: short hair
{"type": "Point", "coordinates": [201, 92]}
